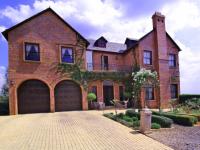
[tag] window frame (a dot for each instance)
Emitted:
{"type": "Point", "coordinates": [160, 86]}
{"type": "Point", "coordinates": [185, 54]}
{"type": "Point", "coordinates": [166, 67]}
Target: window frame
{"type": "Point", "coordinates": [153, 94]}
{"type": "Point", "coordinates": [174, 92]}
{"type": "Point", "coordinates": [173, 61]}
{"type": "Point", "coordinates": [24, 52]}
{"type": "Point", "coordinates": [145, 58]}
{"type": "Point", "coordinates": [73, 54]}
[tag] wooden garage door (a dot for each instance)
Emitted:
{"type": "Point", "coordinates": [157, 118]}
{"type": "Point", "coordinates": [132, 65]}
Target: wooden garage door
{"type": "Point", "coordinates": [33, 97]}
{"type": "Point", "coordinates": [67, 96]}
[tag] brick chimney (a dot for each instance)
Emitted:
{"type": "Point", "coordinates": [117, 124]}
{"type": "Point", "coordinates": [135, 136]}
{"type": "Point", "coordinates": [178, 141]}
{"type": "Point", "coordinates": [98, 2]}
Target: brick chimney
{"type": "Point", "coordinates": [162, 66]}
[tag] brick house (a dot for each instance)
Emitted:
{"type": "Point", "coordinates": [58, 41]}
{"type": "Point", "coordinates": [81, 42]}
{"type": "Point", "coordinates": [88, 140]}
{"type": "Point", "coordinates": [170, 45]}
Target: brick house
{"type": "Point", "coordinates": [39, 43]}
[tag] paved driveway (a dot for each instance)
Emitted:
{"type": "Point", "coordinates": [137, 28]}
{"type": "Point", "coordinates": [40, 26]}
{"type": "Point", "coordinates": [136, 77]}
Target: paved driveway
{"type": "Point", "coordinates": [87, 130]}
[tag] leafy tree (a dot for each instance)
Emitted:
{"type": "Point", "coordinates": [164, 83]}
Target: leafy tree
{"type": "Point", "coordinates": [141, 79]}
{"type": "Point", "coordinates": [4, 90]}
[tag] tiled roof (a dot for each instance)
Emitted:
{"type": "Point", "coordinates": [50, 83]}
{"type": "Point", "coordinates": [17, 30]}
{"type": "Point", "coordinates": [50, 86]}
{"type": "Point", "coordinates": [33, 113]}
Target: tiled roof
{"type": "Point", "coordinates": [110, 47]}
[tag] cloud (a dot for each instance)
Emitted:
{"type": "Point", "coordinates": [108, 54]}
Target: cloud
{"type": "Point", "coordinates": [189, 70]}
{"type": "Point", "coordinates": [109, 18]}
{"type": "Point", "coordinates": [104, 16]}
{"type": "Point", "coordinates": [183, 16]}
{"type": "Point", "coordinates": [2, 28]}
{"type": "Point", "coordinates": [17, 14]}
{"type": "Point", "coordinates": [2, 76]}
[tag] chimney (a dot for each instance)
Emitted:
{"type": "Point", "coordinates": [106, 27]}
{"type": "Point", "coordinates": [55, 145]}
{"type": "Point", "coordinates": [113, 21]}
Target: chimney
{"type": "Point", "coordinates": [158, 21]}
{"type": "Point", "coordinates": [160, 34]}
{"type": "Point", "coordinates": [161, 51]}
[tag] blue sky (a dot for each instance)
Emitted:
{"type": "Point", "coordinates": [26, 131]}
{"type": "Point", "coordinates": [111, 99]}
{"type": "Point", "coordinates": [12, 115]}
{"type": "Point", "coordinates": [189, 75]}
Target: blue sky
{"type": "Point", "coordinates": [116, 20]}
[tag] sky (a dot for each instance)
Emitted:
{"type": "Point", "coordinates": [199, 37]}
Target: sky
{"type": "Point", "coordinates": [116, 20]}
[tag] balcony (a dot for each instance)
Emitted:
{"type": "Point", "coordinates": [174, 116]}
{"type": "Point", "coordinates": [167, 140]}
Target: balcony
{"type": "Point", "coordinates": [109, 67]}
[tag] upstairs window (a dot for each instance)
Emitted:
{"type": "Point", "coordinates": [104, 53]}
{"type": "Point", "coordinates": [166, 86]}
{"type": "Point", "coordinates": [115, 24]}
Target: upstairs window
{"type": "Point", "coordinates": [149, 93]}
{"type": "Point", "coordinates": [67, 55]}
{"type": "Point", "coordinates": [32, 52]}
{"type": "Point", "coordinates": [147, 58]}
{"type": "Point", "coordinates": [104, 62]}
{"type": "Point", "coordinates": [174, 91]}
{"type": "Point", "coordinates": [172, 60]}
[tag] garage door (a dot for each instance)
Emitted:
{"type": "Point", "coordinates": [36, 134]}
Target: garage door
{"type": "Point", "coordinates": [67, 96]}
{"type": "Point", "coordinates": [33, 97]}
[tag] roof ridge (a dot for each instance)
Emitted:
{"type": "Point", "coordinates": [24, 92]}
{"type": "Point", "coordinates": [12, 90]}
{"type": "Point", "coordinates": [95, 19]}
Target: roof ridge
{"type": "Point", "coordinates": [5, 33]}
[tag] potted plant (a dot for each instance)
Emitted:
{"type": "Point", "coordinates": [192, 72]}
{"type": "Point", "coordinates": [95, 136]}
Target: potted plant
{"type": "Point", "coordinates": [91, 97]}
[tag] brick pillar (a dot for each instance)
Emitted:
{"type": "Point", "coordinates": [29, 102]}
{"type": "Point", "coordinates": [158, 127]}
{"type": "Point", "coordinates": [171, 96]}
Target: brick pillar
{"type": "Point", "coordinates": [52, 100]}
{"type": "Point", "coordinates": [84, 100]}
{"type": "Point", "coordinates": [13, 110]}
{"type": "Point", "coordinates": [116, 91]}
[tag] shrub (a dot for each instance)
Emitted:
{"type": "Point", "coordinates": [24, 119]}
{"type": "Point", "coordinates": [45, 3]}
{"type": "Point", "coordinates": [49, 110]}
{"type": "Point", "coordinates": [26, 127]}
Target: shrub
{"type": "Point", "coordinates": [110, 116]}
{"type": "Point", "coordinates": [193, 103]}
{"type": "Point", "coordinates": [155, 126]}
{"type": "Point", "coordinates": [185, 97]}
{"type": "Point", "coordinates": [164, 122]}
{"type": "Point", "coordinates": [120, 115]}
{"type": "Point", "coordinates": [196, 116]}
{"type": "Point", "coordinates": [127, 118]}
{"type": "Point", "coordinates": [128, 124]}
{"type": "Point", "coordinates": [179, 119]}
{"type": "Point", "coordinates": [132, 113]}
{"type": "Point", "coordinates": [134, 119]}
{"type": "Point", "coordinates": [91, 97]}
{"type": "Point", "coordinates": [136, 123]}
{"type": "Point", "coordinates": [4, 105]}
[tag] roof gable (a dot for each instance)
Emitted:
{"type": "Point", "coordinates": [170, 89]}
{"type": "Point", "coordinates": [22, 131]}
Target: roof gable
{"type": "Point", "coordinates": [170, 38]}
{"type": "Point", "coordinates": [5, 33]}
{"type": "Point", "coordinates": [100, 42]}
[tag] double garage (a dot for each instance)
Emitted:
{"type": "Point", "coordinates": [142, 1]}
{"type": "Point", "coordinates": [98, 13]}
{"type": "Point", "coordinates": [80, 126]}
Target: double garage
{"type": "Point", "coordinates": [34, 97]}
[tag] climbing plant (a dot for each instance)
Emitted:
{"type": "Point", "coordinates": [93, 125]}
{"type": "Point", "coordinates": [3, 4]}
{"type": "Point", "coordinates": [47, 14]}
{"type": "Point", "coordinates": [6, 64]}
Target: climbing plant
{"type": "Point", "coordinates": [84, 77]}
{"type": "Point", "coordinates": [141, 79]}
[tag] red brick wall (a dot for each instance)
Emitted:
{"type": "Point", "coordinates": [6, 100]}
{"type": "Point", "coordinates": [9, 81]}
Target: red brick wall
{"type": "Point", "coordinates": [50, 33]}
{"type": "Point", "coordinates": [113, 59]}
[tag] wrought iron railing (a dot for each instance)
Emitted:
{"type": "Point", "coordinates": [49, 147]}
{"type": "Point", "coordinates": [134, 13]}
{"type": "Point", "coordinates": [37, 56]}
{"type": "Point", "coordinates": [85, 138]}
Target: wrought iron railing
{"type": "Point", "coordinates": [109, 67]}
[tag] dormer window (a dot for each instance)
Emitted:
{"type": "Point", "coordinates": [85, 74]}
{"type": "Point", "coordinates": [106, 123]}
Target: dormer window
{"type": "Point", "coordinates": [32, 52]}
{"type": "Point", "coordinates": [101, 42]}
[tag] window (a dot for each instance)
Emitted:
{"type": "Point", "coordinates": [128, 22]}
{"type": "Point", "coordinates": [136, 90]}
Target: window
{"type": "Point", "coordinates": [94, 90]}
{"type": "Point", "coordinates": [121, 93]}
{"type": "Point", "coordinates": [149, 93]}
{"type": "Point", "coordinates": [67, 55]}
{"type": "Point", "coordinates": [104, 62]}
{"type": "Point", "coordinates": [32, 52]}
{"type": "Point", "coordinates": [174, 91]}
{"type": "Point", "coordinates": [172, 60]}
{"type": "Point", "coordinates": [147, 57]}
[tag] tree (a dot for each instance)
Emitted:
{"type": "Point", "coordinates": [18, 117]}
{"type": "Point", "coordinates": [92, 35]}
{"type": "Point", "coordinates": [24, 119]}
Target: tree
{"type": "Point", "coordinates": [4, 90]}
{"type": "Point", "coordinates": [143, 78]}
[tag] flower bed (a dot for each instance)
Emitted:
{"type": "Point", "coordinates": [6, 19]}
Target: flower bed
{"type": "Point", "coordinates": [131, 119]}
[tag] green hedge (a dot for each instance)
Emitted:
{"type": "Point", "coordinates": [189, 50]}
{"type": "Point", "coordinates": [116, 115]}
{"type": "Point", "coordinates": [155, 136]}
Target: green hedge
{"type": "Point", "coordinates": [110, 115]}
{"type": "Point", "coordinates": [179, 119]}
{"type": "Point", "coordinates": [164, 122]}
{"type": "Point", "coordinates": [155, 126]}
{"type": "Point", "coordinates": [131, 113]}
{"type": "Point", "coordinates": [185, 97]}
{"type": "Point", "coordinates": [4, 109]}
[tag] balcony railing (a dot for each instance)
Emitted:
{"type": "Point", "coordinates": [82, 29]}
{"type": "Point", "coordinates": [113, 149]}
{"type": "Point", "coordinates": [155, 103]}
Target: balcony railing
{"type": "Point", "coordinates": [109, 67]}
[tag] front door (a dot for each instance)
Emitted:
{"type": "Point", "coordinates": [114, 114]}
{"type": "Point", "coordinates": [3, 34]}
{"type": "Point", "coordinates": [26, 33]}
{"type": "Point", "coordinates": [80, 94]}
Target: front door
{"type": "Point", "coordinates": [108, 94]}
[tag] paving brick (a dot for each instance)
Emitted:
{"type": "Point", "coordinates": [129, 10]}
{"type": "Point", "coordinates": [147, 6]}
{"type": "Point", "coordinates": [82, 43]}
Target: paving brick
{"type": "Point", "coordinates": [70, 131]}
